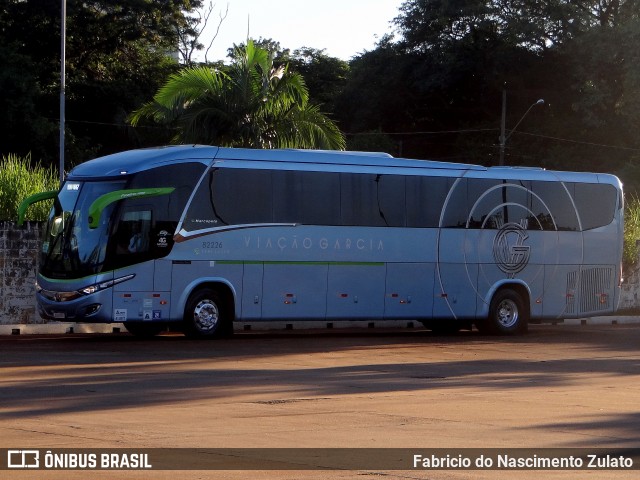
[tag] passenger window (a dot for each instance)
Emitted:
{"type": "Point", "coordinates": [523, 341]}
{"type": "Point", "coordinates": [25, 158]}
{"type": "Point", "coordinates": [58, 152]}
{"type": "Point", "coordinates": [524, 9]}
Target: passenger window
{"type": "Point", "coordinates": [596, 204]}
{"type": "Point", "coordinates": [231, 197]}
{"type": "Point", "coordinates": [392, 198]}
{"type": "Point", "coordinates": [425, 200]}
{"type": "Point", "coordinates": [372, 200]}
{"type": "Point", "coordinates": [241, 197]}
{"type": "Point", "coordinates": [456, 208]}
{"type": "Point", "coordinates": [554, 207]}
{"type": "Point", "coordinates": [311, 198]}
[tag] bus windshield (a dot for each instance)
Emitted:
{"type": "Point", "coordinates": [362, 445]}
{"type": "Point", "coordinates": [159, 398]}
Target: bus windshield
{"type": "Point", "coordinates": [70, 249]}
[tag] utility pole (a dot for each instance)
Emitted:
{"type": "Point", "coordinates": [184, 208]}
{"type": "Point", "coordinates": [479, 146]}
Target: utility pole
{"type": "Point", "coordinates": [63, 76]}
{"type": "Point", "coordinates": [503, 133]}
{"type": "Point", "coordinates": [503, 122]}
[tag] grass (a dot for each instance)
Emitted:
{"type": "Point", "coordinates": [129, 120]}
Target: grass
{"type": "Point", "coordinates": [19, 179]}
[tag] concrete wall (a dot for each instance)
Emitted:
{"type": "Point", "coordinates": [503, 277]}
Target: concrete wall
{"type": "Point", "coordinates": [19, 247]}
{"type": "Point", "coordinates": [630, 298]}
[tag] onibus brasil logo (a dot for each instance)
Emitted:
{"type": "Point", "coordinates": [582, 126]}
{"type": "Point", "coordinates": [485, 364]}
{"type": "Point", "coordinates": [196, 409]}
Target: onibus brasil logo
{"type": "Point", "coordinates": [509, 251]}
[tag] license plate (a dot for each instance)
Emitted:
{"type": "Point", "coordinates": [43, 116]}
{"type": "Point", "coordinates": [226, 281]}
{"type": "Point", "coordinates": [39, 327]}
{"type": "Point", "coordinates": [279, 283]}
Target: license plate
{"type": "Point", "coordinates": [59, 315]}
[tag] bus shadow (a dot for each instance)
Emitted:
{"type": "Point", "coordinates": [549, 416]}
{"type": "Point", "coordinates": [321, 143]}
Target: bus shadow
{"type": "Point", "coordinates": [46, 376]}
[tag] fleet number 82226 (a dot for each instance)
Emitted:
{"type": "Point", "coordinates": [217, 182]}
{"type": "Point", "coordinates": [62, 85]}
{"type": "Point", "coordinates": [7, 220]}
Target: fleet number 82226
{"type": "Point", "coordinates": [211, 244]}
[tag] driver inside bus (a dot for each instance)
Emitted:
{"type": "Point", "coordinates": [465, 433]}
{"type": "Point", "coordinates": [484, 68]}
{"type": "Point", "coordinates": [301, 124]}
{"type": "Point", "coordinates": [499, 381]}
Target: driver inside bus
{"type": "Point", "coordinates": [136, 243]}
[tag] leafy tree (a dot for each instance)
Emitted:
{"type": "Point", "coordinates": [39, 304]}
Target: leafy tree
{"type": "Point", "coordinates": [190, 32]}
{"type": "Point", "coordinates": [325, 76]}
{"type": "Point", "coordinates": [453, 58]}
{"type": "Point", "coordinates": [116, 52]}
{"type": "Point", "coordinates": [253, 103]}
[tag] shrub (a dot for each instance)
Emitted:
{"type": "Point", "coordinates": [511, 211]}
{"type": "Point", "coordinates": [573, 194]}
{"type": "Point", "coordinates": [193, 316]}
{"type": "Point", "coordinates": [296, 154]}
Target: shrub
{"type": "Point", "coordinates": [631, 231]}
{"type": "Point", "coordinates": [18, 180]}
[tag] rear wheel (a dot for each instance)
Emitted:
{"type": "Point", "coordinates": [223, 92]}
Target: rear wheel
{"type": "Point", "coordinates": [508, 314]}
{"type": "Point", "coordinates": [207, 315]}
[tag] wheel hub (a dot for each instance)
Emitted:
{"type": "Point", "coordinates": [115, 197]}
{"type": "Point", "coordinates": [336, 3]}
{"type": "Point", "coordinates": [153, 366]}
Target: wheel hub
{"type": "Point", "coordinates": [508, 313]}
{"type": "Point", "coordinates": [206, 315]}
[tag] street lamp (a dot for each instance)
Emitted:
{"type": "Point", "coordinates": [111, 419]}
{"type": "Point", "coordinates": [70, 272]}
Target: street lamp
{"type": "Point", "coordinates": [503, 136]}
{"type": "Point", "coordinates": [63, 41]}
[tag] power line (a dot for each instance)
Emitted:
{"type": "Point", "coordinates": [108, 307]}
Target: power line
{"type": "Point", "coordinates": [592, 144]}
{"type": "Point", "coordinates": [469, 130]}
{"type": "Point", "coordinates": [428, 132]}
{"type": "Point", "coordinates": [473, 130]}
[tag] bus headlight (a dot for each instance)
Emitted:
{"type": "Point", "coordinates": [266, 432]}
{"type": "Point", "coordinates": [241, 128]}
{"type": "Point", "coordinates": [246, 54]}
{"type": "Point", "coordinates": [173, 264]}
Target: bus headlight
{"type": "Point", "coordinates": [91, 289]}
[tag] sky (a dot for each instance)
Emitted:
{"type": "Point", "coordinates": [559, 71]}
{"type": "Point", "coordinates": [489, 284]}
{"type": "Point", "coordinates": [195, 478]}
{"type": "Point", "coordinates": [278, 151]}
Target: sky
{"type": "Point", "coordinates": [344, 28]}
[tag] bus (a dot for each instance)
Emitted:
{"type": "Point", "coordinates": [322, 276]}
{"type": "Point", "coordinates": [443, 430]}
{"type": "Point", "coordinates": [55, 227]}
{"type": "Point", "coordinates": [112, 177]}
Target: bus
{"type": "Point", "coordinates": [201, 238]}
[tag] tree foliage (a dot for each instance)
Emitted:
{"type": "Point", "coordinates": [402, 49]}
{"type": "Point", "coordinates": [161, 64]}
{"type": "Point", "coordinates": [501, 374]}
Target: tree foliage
{"type": "Point", "coordinates": [436, 87]}
{"type": "Point", "coordinates": [433, 89]}
{"type": "Point", "coordinates": [116, 52]}
{"type": "Point", "coordinates": [252, 103]}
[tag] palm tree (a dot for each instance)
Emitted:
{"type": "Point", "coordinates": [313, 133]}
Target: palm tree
{"type": "Point", "coordinates": [251, 104]}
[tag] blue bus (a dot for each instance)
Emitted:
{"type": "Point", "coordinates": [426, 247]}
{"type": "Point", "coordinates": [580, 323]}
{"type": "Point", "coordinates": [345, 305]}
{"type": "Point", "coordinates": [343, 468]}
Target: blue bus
{"type": "Point", "coordinates": [200, 237]}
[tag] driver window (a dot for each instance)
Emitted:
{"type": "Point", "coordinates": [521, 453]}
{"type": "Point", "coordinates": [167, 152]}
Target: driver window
{"type": "Point", "coordinates": [133, 231]}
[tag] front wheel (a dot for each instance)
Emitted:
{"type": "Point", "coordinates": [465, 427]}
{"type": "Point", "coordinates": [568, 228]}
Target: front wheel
{"type": "Point", "coordinates": [508, 314]}
{"type": "Point", "coordinates": [206, 315]}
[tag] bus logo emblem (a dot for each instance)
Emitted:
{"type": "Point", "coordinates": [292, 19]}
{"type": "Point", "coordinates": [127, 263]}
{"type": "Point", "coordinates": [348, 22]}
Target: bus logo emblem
{"type": "Point", "coordinates": [509, 251]}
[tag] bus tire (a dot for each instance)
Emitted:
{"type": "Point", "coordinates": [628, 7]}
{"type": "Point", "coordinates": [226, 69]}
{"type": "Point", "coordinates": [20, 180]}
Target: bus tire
{"type": "Point", "coordinates": [206, 315]}
{"type": "Point", "coordinates": [144, 329]}
{"type": "Point", "coordinates": [508, 314]}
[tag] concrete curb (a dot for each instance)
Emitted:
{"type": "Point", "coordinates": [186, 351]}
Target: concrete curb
{"type": "Point", "coordinates": [58, 328]}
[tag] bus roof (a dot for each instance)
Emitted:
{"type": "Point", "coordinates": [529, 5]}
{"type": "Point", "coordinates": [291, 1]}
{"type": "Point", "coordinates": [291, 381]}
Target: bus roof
{"type": "Point", "coordinates": [133, 161]}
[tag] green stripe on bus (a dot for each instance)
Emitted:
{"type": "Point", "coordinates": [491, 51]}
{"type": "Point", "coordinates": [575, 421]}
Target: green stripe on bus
{"type": "Point", "coordinates": [270, 262]}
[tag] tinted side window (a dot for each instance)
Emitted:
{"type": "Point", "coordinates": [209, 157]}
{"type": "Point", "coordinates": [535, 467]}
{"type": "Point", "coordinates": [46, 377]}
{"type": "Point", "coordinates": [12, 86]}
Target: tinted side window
{"type": "Point", "coordinates": [359, 204]}
{"type": "Point", "coordinates": [487, 204]}
{"type": "Point", "coordinates": [231, 197]}
{"type": "Point", "coordinates": [596, 204]}
{"type": "Point", "coordinates": [372, 200]}
{"type": "Point", "coordinates": [392, 198]}
{"type": "Point", "coordinates": [311, 198]}
{"type": "Point", "coordinates": [145, 226]}
{"type": "Point", "coordinates": [457, 208]}
{"type": "Point", "coordinates": [425, 199]}
{"type": "Point", "coordinates": [242, 196]}
{"type": "Point", "coordinates": [471, 202]}
{"type": "Point", "coordinates": [182, 177]}
{"type": "Point", "coordinates": [555, 206]}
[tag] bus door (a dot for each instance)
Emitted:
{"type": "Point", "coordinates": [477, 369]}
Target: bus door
{"type": "Point", "coordinates": [138, 241]}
